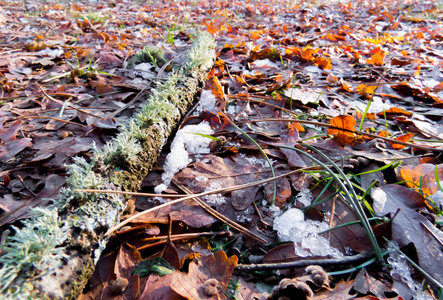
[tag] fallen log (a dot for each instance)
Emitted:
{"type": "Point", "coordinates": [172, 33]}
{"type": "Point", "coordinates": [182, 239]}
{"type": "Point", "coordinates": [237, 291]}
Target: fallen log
{"type": "Point", "coordinates": [53, 255]}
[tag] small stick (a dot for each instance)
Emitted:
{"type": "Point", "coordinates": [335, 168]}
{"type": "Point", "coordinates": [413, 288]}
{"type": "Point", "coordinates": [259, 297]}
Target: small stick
{"type": "Point", "coordinates": [24, 185]}
{"type": "Point", "coordinates": [433, 234]}
{"type": "Point", "coordinates": [178, 237]}
{"type": "Point", "coordinates": [50, 118]}
{"type": "Point", "coordinates": [62, 75]}
{"type": "Point", "coordinates": [111, 115]}
{"type": "Point", "coordinates": [62, 103]}
{"type": "Point", "coordinates": [308, 262]}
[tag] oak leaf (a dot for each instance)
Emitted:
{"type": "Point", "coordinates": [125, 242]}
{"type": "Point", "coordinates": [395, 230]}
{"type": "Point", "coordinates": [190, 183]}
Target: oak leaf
{"type": "Point", "coordinates": [206, 280]}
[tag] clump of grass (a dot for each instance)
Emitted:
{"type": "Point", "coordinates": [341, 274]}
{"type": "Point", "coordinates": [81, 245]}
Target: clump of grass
{"type": "Point", "coordinates": [347, 192]}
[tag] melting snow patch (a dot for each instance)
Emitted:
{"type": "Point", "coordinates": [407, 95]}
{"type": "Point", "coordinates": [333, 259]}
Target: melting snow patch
{"type": "Point", "coordinates": [307, 96]}
{"type": "Point", "coordinates": [51, 53]}
{"type": "Point", "coordinates": [377, 105]}
{"type": "Point", "coordinates": [245, 216]}
{"type": "Point", "coordinates": [292, 226]}
{"type": "Point", "coordinates": [256, 161]}
{"type": "Point", "coordinates": [305, 197]}
{"type": "Point", "coordinates": [207, 102]}
{"type": "Point", "coordinates": [185, 140]}
{"type": "Point", "coordinates": [214, 199]}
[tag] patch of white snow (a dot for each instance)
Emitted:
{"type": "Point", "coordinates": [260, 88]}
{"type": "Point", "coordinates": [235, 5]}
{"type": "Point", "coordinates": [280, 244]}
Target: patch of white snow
{"type": "Point", "coordinates": [185, 141]}
{"type": "Point", "coordinates": [265, 62]}
{"type": "Point", "coordinates": [304, 197]}
{"type": "Point", "coordinates": [292, 226]}
{"type": "Point", "coordinates": [207, 102]}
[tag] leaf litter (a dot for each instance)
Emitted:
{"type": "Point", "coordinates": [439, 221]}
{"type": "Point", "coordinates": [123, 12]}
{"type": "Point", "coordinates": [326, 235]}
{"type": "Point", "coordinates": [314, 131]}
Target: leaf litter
{"type": "Point", "coordinates": [360, 81]}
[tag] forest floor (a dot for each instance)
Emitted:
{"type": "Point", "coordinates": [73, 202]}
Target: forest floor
{"type": "Point", "coordinates": [341, 102]}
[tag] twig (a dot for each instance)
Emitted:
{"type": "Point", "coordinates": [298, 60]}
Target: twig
{"type": "Point", "coordinates": [62, 75]}
{"type": "Point", "coordinates": [433, 234]}
{"type": "Point", "coordinates": [163, 239]}
{"type": "Point", "coordinates": [304, 263]}
{"type": "Point", "coordinates": [160, 73]}
{"type": "Point", "coordinates": [50, 118]}
{"type": "Point", "coordinates": [111, 115]}
{"type": "Point", "coordinates": [24, 185]}
{"type": "Point", "coordinates": [62, 103]}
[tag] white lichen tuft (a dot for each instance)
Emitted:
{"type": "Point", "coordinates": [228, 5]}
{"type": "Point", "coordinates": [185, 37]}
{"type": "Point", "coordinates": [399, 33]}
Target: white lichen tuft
{"type": "Point", "coordinates": [154, 111]}
{"type": "Point", "coordinates": [202, 53]}
{"type": "Point", "coordinates": [124, 147]}
{"type": "Point", "coordinates": [82, 176]}
{"type": "Point", "coordinates": [33, 249]}
{"type": "Point", "coordinates": [100, 213]}
{"type": "Point", "coordinates": [133, 129]}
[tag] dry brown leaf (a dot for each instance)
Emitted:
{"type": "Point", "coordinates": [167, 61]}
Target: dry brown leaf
{"type": "Point", "coordinates": [206, 280]}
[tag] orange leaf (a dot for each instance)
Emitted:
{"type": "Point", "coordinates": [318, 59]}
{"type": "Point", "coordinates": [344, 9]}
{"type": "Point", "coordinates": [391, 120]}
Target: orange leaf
{"type": "Point", "coordinates": [295, 126]}
{"type": "Point", "coordinates": [215, 25]}
{"type": "Point", "coordinates": [424, 173]}
{"type": "Point", "coordinates": [35, 46]}
{"type": "Point", "coordinates": [345, 88]}
{"type": "Point", "coordinates": [402, 138]}
{"type": "Point", "coordinates": [395, 111]}
{"type": "Point", "coordinates": [364, 89]}
{"type": "Point", "coordinates": [307, 53]}
{"type": "Point", "coordinates": [417, 73]}
{"type": "Point", "coordinates": [212, 270]}
{"type": "Point", "coordinates": [384, 133]}
{"type": "Point", "coordinates": [214, 85]}
{"type": "Point", "coordinates": [331, 78]}
{"type": "Point", "coordinates": [103, 88]}
{"type": "Point", "coordinates": [377, 58]}
{"type": "Point", "coordinates": [346, 136]}
{"type": "Point", "coordinates": [438, 87]}
{"type": "Point", "coordinates": [369, 116]}
{"type": "Point", "coordinates": [323, 63]}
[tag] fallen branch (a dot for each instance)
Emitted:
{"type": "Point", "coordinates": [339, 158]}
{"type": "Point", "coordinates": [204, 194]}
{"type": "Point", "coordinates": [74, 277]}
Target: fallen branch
{"type": "Point", "coordinates": [53, 255]}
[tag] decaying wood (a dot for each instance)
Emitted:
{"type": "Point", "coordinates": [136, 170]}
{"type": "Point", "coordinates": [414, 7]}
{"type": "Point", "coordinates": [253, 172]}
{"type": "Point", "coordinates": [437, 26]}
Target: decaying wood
{"type": "Point", "coordinates": [83, 247]}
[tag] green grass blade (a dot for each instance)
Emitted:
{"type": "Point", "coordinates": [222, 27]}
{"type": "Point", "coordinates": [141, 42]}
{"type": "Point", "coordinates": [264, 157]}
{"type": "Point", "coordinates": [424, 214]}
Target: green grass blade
{"type": "Point", "coordinates": [274, 196]}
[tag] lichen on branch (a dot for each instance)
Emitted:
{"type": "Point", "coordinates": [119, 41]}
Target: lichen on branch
{"type": "Point", "coordinates": [77, 221]}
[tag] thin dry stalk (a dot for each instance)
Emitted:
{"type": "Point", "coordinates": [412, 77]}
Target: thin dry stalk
{"type": "Point", "coordinates": [216, 191]}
